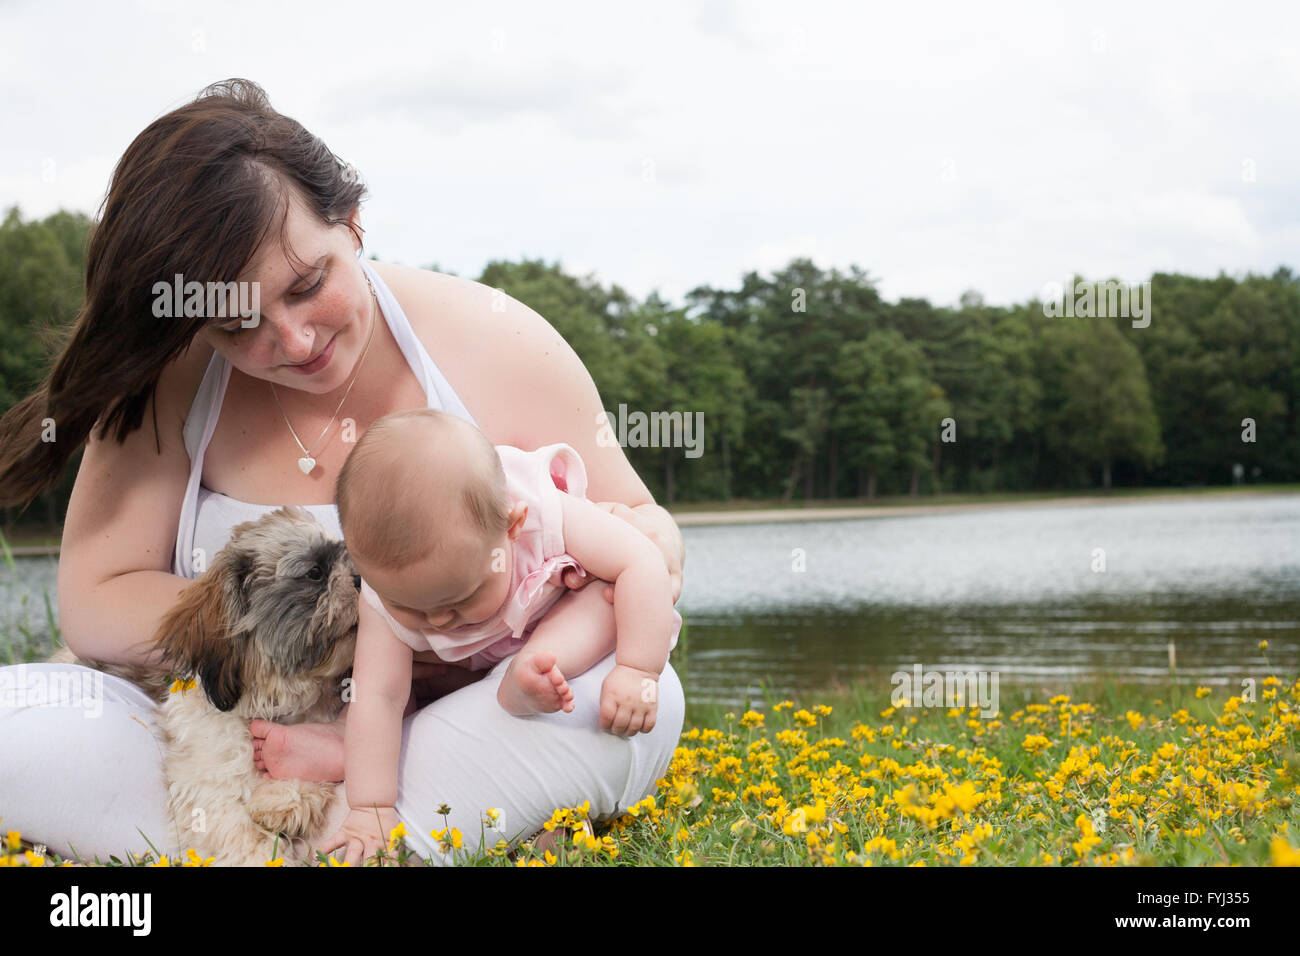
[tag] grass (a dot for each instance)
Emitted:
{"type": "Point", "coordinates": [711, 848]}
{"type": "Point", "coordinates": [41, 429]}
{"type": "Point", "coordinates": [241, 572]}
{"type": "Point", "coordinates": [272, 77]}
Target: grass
{"type": "Point", "coordinates": [1114, 775]}
{"type": "Point", "coordinates": [29, 646]}
{"type": "Point", "coordinates": [1108, 774]}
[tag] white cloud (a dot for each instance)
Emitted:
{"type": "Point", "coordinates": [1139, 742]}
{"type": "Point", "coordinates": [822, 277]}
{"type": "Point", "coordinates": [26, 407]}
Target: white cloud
{"type": "Point", "coordinates": [940, 149]}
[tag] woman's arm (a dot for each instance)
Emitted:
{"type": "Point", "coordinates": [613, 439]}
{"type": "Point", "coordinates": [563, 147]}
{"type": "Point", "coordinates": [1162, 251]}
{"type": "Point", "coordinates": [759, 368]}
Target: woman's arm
{"type": "Point", "coordinates": [554, 399]}
{"type": "Point", "coordinates": [114, 582]}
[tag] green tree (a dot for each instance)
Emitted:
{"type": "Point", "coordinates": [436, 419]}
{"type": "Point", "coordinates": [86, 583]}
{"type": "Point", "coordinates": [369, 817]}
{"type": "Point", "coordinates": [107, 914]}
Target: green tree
{"type": "Point", "coordinates": [1106, 413]}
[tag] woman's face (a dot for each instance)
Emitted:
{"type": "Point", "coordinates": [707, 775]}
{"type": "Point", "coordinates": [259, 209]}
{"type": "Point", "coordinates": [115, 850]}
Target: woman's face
{"type": "Point", "coordinates": [326, 307]}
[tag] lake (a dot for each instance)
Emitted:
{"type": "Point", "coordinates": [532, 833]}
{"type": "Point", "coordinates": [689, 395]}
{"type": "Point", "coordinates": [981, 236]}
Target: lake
{"type": "Point", "coordinates": [1036, 594]}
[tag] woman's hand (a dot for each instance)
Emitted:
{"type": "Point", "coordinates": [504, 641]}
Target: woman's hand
{"type": "Point", "coordinates": [657, 525]}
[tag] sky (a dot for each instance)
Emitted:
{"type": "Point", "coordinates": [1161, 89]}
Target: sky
{"type": "Point", "coordinates": [662, 146]}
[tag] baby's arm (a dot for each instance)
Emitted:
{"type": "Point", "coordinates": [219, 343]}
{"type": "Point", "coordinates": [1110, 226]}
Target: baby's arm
{"type": "Point", "coordinates": [611, 549]}
{"type": "Point", "coordinates": [372, 739]}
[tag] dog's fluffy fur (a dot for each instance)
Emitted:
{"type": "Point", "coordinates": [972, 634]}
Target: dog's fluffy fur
{"type": "Point", "coordinates": [268, 631]}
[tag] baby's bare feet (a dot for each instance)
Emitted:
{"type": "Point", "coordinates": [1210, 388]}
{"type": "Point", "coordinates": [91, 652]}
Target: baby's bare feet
{"type": "Point", "coordinates": [535, 686]}
{"type": "Point", "coordinates": [298, 751]}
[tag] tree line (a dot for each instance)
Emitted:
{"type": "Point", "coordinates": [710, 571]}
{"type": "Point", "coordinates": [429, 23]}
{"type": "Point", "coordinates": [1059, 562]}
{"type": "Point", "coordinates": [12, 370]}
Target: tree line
{"type": "Point", "coordinates": [808, 385]}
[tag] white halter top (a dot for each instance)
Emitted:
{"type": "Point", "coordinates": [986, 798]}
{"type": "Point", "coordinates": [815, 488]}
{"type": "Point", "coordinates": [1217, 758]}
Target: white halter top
{"type": "Point", "coordinates": [208, 517]}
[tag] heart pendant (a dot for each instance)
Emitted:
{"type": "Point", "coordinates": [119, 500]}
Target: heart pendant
{"type": "Point", "coordinates": [307, 464]}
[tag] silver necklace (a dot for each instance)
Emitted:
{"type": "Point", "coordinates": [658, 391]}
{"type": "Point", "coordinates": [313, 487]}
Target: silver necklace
{"type": "Point", "coordinates": [307, 462]}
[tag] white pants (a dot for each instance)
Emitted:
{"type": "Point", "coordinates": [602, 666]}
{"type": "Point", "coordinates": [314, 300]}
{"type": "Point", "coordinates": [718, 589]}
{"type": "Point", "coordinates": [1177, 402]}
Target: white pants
{"type": "Point", "coordinates": [81, 768]}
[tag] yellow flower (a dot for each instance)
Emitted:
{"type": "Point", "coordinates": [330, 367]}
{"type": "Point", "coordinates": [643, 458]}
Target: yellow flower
{"type": "Point", "coordinates": [817, 813]}
{"type": "Point", "coordinates": [1134, 719]}
{"type": "Point", "coordinates": [550, 858]}
{"type": "Point", "coordinates": [685, 791]}
{"type": "Point", "coordinates": [1202, 692]}
{"type": "Point", "coordinates": [448, 843]}
{"type": "Point", "coordinates": [1282, 853]}
{"type": "Point", "coordinates": [192, 858]}
{"type": "Point", "coordinates": [964, 796]}
{"type": "Point", "coordinates": [395, 835]}
{"type": "Point", "coordinates": [559, 818]}
{"type": "Point", "coordinates": [906, 797]}
{"type": "Point", "coordinates": [278, 861]}
{"type": "Point", "coordinates": [334, 862]}
{"type": "Point", "coordinates": [33, 859]}
{"type": "Point", "coordinates": [162, 861]}
{"type": "Point", "coordinates": [182, 686]}
{"type": "Point", "coordinates": [1035, 743]}
{"type": "Point", "coordinates": [14, 840]}
{"type": "Point", "coordinates": [1263, 645]}
{"type": "Point", "coordinates": [641, 806]}
{"type": "Point", "coordinates": [1088, 840]}
{"type": "Point", "coordinates": [882, 845]}
{"type": "Point", "coordinates": [752, 718]}
{"type": "Point", "coordinates": [796, 822]}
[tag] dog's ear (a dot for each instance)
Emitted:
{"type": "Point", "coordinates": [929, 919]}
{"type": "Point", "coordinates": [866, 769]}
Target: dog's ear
{"type": "Point", "coordinates": [196, 636]}
{"type": "Point", "coordinates": [221, 678]}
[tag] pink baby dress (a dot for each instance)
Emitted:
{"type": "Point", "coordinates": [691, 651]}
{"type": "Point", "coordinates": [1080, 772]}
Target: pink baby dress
{"type": "Point", "coordinates": [537, 478]}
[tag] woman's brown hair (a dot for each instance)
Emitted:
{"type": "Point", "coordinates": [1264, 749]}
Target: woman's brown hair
{"type": "Point", "coordinates": [196, 193]}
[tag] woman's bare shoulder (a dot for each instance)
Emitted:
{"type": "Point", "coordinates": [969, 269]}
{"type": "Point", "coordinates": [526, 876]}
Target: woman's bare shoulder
{"type": "Point", "coordinates": [179, 382]}
{"type": "Point", "coordinates": [439, 304]}
{"type": "Point", "coordinates": [522, 382]}
{"type": "Point", "coordinates": [426, 295]}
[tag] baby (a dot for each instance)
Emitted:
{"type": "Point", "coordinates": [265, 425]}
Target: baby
{"type": "Point", "coordinates": [461, 546]}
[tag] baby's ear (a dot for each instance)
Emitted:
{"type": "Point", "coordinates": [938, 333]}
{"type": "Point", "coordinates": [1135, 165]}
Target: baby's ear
{"type": "Point", "coordinates": [518, 515]}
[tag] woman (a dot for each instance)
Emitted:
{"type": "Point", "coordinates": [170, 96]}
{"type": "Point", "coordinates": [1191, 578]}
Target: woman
{"type": "Point", "coordinates": [216, 420]}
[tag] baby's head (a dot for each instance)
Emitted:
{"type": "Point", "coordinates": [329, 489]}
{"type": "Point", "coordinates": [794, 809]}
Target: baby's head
{"type": "Point", "coordinates": [423, 489]}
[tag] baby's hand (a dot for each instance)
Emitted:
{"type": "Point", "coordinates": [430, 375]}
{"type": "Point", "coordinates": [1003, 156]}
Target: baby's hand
{"type": "Point", "coordinates": [629, 701]}
{"type": "Point", "coordinates": [363, 833]}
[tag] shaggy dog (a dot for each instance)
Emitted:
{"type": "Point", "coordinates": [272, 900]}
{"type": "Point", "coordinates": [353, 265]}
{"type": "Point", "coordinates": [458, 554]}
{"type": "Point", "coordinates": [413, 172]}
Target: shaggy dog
{"type": "Point", "coordinates": [268, 631]}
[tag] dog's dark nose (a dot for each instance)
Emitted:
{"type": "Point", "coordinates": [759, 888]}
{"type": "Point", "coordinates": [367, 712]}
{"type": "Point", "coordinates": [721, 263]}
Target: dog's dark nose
{"type": "Point", "coordinates": [356, 581]}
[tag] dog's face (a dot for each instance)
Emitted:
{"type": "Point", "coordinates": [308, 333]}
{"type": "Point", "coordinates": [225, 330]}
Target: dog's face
{"type": "Point", "coordinates": [276, 610]}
